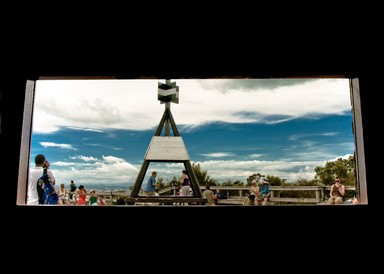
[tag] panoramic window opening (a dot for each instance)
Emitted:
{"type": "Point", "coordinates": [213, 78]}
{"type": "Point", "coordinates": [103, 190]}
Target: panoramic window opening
{"type": "Point", "coordinates": [295, 135]}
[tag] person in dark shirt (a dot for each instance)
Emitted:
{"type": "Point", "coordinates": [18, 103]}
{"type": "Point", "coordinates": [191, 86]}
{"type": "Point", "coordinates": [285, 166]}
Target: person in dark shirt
{"type": "Point", "coordinates": [72, 188]}
{"type": "Point", "coordinates": [185, 183]}
{"type": "Point", "coordinates": [336, 193]}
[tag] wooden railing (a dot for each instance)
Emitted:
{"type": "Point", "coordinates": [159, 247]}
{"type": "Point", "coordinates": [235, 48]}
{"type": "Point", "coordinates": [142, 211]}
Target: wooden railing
{"type": "Point", "coordinates": [237, 194]}
{"type": "Point", "coordinates": [320, 193]}
{"type": "Point", "coordinates": [110, 196]}
{"type": "Point", "coordinates": [234, 195]}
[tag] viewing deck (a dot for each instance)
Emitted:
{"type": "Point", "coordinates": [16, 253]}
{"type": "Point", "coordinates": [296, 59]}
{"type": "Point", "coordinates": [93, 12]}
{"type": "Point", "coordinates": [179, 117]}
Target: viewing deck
{"type": "Point", "coordinates": [235, 195]}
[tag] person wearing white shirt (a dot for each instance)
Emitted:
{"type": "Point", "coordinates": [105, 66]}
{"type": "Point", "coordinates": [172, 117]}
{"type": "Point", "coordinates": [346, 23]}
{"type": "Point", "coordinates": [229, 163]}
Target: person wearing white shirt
{"type": "Point", "coordinates": [34, 174]}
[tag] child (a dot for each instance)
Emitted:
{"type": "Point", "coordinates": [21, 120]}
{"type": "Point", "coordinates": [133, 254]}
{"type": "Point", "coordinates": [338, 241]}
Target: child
{"type": "Point", "coordinates": [92, 197]}
{"type": "Point", "coordinates": [101, 200]}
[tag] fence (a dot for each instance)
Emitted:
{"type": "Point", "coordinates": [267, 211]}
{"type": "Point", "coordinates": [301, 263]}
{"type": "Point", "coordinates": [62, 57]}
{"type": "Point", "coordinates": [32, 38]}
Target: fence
{"type": "Point", "coordinates": [236, 194]}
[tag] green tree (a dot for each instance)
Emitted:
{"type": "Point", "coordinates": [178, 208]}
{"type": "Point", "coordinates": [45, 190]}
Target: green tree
{"type": "Point", "coordinates": [238, 183]}
{"type": "Point", "coordinates": [174, 182]}
{"type": "Point", "coordinates": [252, 177]}
{"type": "Point", "coordinates": [276, 181]}
{"type": "Point", "coordinates": [342, 168]}
{"type": "Point", "coordinates": [160, 183]}
{"type": "Point", "coordinates": [305, 182]}
{"type": "Point", "coordinates": [202, 176]}
{"type": "Point", "coordinates": [273, 180]}
{"type": "Point", "coordinates": [228, 182]}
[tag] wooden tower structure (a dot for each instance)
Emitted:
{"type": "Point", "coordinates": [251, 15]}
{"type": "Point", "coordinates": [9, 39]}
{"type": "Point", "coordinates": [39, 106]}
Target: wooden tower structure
{"type": "Point", "coordinates": [167, 148]}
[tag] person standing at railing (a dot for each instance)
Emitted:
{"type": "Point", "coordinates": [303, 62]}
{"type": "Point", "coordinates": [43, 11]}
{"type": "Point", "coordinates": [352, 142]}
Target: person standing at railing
{"type": "Point", "coordinates": [336, 193]}
{"type": "Point", "coordinates": [81, 195]}
{"type": "Point", "coordinates": [185, 183]}
{"type": "Point", "coordinates": [72, 188]}
{"type": "Point", "coordinates": [62, 192]}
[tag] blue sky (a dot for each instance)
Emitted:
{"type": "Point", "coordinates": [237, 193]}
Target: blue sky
{"type": "Point", "coordinates": [98, 131]}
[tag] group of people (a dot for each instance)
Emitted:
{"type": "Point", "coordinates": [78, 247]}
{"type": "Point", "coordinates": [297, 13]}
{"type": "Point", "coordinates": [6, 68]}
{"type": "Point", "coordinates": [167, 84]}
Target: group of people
{"type": "Point", "coordinates": [80, 196]}
{"type": "Point", "coordinates": [151, 188]}
{"type": "Point", "coordinates": [64, 196]}
{"type": "Point", "coordinates": [258, 194]}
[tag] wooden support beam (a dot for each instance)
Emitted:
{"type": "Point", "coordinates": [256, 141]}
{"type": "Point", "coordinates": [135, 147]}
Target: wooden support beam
{"type": "Point", "coordinates": [192, 177]}
{"type": "Point", "coordinates": [139, 179]}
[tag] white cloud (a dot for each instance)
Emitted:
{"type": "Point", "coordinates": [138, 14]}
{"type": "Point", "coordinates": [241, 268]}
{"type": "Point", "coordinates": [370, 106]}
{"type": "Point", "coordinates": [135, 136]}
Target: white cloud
{"type": "Point", "coordinates": [255, 155]}
{"type": "Point", "coordinates": [218, 154]}
{"type": "Point", "coordinates": [122, 172]}
{"type": "Point", "coordinates": [99, 105]}
{"type": "Point", "coordinates": [133, 104]}
{"type": "Point", "coordinates": [112, 159]}
{"type": "Point", "coordinates": [294, 137]}
{"type": "Point", "coordinates": [108, 170]}
{"type": "Point", "coordinates": [345, 157]}
{"type": "Point", "coordinates": [62, 146]}
{"type": "Point", "coordinates": [84, 158]}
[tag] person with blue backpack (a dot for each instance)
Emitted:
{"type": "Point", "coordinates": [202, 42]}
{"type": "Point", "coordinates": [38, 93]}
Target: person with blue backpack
{"type": "Point", "coordinates": [41, 178]}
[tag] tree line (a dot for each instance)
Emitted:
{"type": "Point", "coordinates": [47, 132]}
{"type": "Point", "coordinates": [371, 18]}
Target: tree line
{"type": "Point", "coordinates": [345, 169]}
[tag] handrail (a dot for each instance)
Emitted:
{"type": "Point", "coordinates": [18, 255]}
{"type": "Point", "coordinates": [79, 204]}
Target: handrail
{"type": "Point", "coordinates": [320, 192]}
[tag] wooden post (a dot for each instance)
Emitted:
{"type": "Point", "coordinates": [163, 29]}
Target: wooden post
{"type": "Point", "coordinates": [167, 148]}
{"type": "Point", "coordinates": [139, 179]}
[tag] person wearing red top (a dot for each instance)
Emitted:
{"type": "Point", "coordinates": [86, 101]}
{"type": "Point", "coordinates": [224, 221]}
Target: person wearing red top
{"type": "Point", "coordinates": [81, 195]}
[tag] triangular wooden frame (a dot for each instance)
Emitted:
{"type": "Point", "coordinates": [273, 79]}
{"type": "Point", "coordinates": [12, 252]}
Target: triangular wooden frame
{"type": "Point", "coordinates": [167, 149]}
